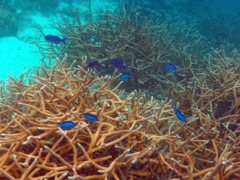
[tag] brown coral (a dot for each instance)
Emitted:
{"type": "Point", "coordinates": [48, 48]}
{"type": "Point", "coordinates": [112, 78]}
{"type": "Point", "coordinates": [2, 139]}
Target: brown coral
{"type": "Point", "coordinates": [135, 138]}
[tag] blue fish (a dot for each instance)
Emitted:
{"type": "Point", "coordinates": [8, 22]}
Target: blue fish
{"type": "Point", "coordinates": [180, 115]}
{"type": "Point", "coordinates": [67, 125]}
{"type": "Point", "coordinates": [171, 67]}
{"type": "Point", "coordinates": [125, 76]}
{"type": "Point", "coordinates": [90, 117]}
{"type": "Point", "coordinates": [94, 64]}
{"type": "Point", "coordinates": [117, 63]}
{"type": "Point", "coordinates": [55, 39]}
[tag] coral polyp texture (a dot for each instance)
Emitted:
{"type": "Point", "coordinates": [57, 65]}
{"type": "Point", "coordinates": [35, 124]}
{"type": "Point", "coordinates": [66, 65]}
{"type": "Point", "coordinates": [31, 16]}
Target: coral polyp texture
{"type": "Point", "coordinates": [135, 137]}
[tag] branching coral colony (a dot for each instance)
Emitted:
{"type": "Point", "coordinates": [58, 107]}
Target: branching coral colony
{"type": "Point", "coordinates": [145, 44]}
{"type": "Point", "coordinates": [135, 137]}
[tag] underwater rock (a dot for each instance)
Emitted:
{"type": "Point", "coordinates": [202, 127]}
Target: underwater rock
{"type": "Point", "coordinates": [8, 23]}
{"type": "Point", "coordinates": [43, 6]}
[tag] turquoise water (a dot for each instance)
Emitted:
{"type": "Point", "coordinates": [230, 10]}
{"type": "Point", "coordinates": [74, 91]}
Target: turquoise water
{"type": "Point", "coordinates": [19, 50]}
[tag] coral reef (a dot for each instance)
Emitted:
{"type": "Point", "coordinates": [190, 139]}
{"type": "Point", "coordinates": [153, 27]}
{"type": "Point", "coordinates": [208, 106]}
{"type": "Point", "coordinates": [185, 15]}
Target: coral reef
{"type": "Point", "coordinates": [136, 137]}
{"type": "Point", "coordinates": [145, 44]}
{"type": "Point", "coordinates": [43, 6]}
{"type": "Point", "coordinates": [8, 23]}
{"type": "Point", "coordinates": [217, 21]}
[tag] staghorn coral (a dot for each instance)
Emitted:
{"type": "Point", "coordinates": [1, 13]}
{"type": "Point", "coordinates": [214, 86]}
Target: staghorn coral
{"type": "Point", "coordinates": [217, 88]}
{"type": "Point", "coordinates": [146, 44]}
{"type": "Point", "coordinates": [32, 147]}
{"type": "Point", "coordinates": [135, 138]}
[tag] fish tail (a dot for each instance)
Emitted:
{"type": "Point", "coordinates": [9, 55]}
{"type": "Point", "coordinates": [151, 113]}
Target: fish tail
{"type": "Point", "coordinates": [64, 40]}
{"type": "Point", "coordinates": [125, 67]}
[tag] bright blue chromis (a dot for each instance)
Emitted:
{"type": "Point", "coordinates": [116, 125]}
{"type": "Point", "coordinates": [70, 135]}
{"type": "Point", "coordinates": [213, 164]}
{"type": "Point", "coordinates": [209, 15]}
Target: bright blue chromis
{"type": "Point", "coordinates": [180, 115]}
{"type": "Point", "coordinates": [125, 76]}
{"type": "Point", "coordinates": [67, 125]}
{"type": "Point", "coordinates": [90, 117]}
{"type": "Point", "coordinates": [171, 67]}
{"type": "Point", "coordinates": [55, 39]}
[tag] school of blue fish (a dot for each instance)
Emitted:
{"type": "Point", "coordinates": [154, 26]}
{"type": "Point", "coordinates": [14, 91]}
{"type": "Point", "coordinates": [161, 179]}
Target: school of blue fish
{"type": "Point", "coordinates": [114, 63]}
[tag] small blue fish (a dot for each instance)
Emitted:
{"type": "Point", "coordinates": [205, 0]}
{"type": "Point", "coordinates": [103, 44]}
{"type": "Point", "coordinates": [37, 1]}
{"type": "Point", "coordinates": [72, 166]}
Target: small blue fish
{"type": "Point", "coordinates": [125, 76]}
{"type": "Point", "coordinates": [90, 117]}
{"type": "Point", "coordinates": [171, 67]}
{"type": "Point", "coordinates": [55, 39]}
{"type": "Point", "coordinates": [94, 64]}
{"type": "Point", "coordinates": [180, 115]}
{"type": "Point", "coordinates": [117, 63]}
{"type": "Point", "coordinates": [67, 125]}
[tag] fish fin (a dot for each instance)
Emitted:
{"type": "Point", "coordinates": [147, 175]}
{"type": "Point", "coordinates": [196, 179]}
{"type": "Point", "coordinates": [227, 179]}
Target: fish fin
{"type": "Point", "coordinates": [64, 40]}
